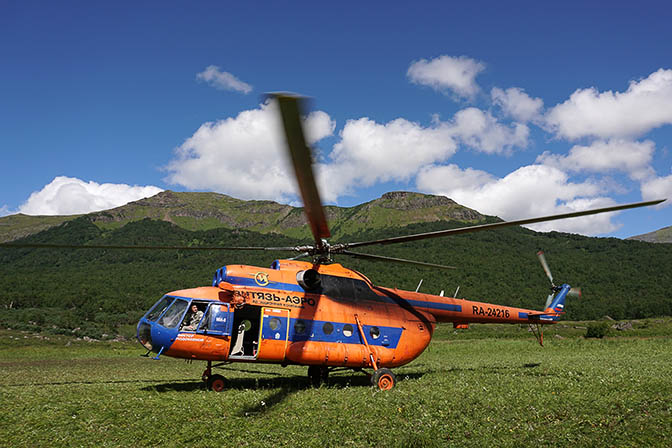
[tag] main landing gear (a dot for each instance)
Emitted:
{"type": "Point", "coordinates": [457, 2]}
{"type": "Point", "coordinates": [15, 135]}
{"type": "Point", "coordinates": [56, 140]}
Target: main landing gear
{"type": "Point", "coordinates": [318, 375]}
{"type": "Point", "coordinates": [215, 382]}
{"type": "Point", "coordinates": [382, 378]}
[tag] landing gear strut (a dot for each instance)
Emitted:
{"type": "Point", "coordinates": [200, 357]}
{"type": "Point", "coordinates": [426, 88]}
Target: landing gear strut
{"type": "Point", "coordinates": [318, 375]}
{"type": "Point", "coordinates": [213, 382]}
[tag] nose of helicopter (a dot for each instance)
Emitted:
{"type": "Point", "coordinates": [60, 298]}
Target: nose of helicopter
{"type": "Point", "coordinates": [154, 337]}
{"type": "Point", "coordinates": [145, 334]}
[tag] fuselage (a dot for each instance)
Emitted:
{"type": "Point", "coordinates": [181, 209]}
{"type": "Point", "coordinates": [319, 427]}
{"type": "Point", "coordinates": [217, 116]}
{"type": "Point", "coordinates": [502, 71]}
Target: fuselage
{"type": "Point", "coordinates": [299, 313]}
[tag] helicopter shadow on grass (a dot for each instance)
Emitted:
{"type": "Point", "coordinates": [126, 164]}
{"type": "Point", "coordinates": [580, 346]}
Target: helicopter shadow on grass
{"type": "Point", "coordinates": [279, 387]}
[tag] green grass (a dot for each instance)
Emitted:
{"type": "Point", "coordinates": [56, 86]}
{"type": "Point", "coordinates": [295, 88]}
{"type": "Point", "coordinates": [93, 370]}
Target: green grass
{"type": "Point", "coordinates": [468, 389]}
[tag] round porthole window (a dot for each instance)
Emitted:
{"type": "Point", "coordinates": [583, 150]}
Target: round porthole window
{"type": "Point", "coordinates": [274, 323]}
{"type": "Point", "coordinates": [347, 330]}
{"type": "Point", "coordinates": [299, 327]}
{"type": "Point", "coordinates": [374, 332]}
{"type": "Point", "coordinates": [328, 328]}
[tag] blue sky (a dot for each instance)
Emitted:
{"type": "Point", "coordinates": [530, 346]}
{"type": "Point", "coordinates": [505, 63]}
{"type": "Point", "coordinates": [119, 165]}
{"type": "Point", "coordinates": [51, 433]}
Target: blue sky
{"type": "Point", "coordinates": [516, 109]}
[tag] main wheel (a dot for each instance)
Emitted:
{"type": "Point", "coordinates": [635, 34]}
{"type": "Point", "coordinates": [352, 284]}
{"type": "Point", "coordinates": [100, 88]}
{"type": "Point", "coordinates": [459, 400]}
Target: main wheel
{"type": "Point", "coordinates": [383, 379]}
{"type": "Point", "coordinates": [216, 383]}
{"type": "Point", "coordinates": [318, 375]}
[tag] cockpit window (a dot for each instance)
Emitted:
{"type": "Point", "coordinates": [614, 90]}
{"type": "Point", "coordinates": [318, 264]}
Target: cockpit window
{"type": "Point", "coordinates": [159, 308]}
{"type": "Point", "coordinates": [173, 315]}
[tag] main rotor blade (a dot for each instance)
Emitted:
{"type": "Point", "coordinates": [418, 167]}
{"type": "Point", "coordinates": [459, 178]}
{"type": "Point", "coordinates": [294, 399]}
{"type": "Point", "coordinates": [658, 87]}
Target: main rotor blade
{"type": "Point", "coordinates": [290, 110]}
{"type": "Point", "coordinates": [97, 246]}
{"type": "Point", "coordinates": [459, 230]}
{"type": "Point", "coordinates": [396, 260]}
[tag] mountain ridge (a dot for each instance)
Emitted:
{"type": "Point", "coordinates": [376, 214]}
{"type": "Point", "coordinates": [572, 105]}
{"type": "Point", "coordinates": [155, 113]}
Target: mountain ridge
{"type": "Point", "coordinates": [206, 211]}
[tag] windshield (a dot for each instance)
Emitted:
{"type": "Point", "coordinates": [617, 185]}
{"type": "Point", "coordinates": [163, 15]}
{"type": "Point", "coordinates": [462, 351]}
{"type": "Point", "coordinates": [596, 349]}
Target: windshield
{"type": "Point", "coordinates": [159, 308]}
{"type": "Point", "coordinates": [173, 315]}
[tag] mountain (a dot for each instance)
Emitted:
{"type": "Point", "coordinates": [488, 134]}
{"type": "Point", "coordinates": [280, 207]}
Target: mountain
{"type": "Point", "coordinates": [206, 211]}
{"type": "Point", "coordinates": [663, 235]}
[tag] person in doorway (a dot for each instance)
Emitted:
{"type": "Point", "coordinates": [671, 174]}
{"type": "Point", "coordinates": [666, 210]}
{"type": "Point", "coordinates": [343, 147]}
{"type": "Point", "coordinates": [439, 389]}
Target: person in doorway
{"type": "Point", "coordinates": [193, 318]}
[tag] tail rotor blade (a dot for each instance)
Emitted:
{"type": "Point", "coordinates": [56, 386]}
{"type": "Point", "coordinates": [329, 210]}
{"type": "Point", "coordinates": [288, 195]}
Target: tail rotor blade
{"type": "Point", "coordinates": [544, 265]}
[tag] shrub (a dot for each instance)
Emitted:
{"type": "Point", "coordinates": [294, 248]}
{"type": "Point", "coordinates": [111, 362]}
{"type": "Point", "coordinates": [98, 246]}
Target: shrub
{"type": "Point", "coordinates": [597, 330]}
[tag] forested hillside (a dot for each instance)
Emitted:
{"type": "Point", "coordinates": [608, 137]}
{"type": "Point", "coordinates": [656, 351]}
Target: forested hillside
{"type": "Point", "coordinates": [96, 291]}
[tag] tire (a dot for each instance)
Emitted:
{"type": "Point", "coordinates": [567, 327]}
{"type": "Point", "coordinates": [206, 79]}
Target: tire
{"type": "Point", "coordinates": [384, 379]}
{"type": "Point", "coordinates": [216, 383]}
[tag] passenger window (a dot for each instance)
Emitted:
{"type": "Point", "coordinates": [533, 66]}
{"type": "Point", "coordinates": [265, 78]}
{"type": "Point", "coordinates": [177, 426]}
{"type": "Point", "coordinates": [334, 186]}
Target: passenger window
{"type": "Point", "coordinates": [173, 314]}
{"type": "Point", "coordinates": [374, 332]}
{"type": "Point", "coordinates": [347, 330]}
{"type": "Point", "coordinates": [274, 323]}
{"type": "Point", "coordinates": [328, 328]}
{"type": "Point", "coordinates": [299, 327]}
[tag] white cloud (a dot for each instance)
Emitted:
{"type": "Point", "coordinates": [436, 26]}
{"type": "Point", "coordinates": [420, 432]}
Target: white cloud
{"type": "Point", "coordinates": [71, 196]}
{"type": "Point", "coordinates": [601, 156]}
{"type": "Point", "coordinates": [223, 80]}
{"type": "Point", "coordinates": [530, 191]}
{"type": "Point", "coordinates": [481, 131]}
{"type": "Point", "coordinates": [4, 210]}
{"type": "Point", "coordinates": [369, 152]}
{"type": "Point", "coordinates": [457, 74]}
{"type": "Point", "coordinates": [658, 188]}
{"type": "Point", "coordinates": [243, 156]}
{"type": "Point", "coordinates": [517, 104]}
{"type": "Point", "coordinates": [646, 104]}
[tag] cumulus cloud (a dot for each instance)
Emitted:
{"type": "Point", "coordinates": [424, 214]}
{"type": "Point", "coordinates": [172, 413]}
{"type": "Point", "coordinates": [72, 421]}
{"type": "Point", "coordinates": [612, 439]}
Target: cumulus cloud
{"type": "Point", "coordinates": [243, 156]}
{"type": "Point", "coordinates": [370, 152]}
{"type": "Point", "coordinates": [482, 132]}
{"type": "Point", "coordinates": [644, 106]}
{"type": "Point", "coordinates": [633, 158]}
{"type": "Point", "coordinates": [457, 74]}
{"type": "Point", "coordinates": [530, 191]}
{"type": "Point", "coordinates": [658, 188]}
{"type": "Point", "coordinates": [223, 80]}
{"type": "Point", "coordinates": [71, 196]}
{"type": "Point", "coordinates": [4, 210]}
{"type": "Point", "coordinates": [517, 104]}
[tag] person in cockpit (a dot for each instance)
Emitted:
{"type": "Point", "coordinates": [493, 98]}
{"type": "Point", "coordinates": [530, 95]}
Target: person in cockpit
{"type": "Point", "coordinates": [193, 318]}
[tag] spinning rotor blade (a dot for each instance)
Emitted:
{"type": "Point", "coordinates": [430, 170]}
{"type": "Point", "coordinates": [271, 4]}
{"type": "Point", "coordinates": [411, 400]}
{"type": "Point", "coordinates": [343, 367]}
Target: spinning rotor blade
{"type": "Point", "coordinates": [422, 236]}
{"type": "Point", "coordinates": [396, 260]}
{"type": "Point", "coordinates": [544, 265]}
{"type": "Point", "coordinates": [95, 246]}
{"type": "Point", "coordinates": [290, 109]}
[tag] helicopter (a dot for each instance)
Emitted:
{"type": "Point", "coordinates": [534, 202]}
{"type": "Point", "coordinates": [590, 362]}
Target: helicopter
{"type": "Point", "coordinates": [319, 313]}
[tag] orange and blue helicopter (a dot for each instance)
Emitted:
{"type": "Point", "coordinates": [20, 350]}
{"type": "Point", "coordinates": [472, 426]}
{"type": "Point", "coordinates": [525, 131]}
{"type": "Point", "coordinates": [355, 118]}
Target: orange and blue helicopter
{"type": "Point", "coordinates": [319, 313]}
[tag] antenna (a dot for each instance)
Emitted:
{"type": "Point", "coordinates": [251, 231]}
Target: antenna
{"type": "Point", "coordinates": [419, 284]}
{"type": "Point", "coordinates": [456, 291]}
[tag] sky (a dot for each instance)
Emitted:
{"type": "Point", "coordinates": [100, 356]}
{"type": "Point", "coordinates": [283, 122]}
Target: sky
{"type": "Point", "coordinates": [515, 109]}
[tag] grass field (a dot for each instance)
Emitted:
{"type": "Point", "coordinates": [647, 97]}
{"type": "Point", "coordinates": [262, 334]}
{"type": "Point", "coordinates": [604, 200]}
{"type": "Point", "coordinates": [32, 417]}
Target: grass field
{"type": "Point", "coordinates": [487, 386]}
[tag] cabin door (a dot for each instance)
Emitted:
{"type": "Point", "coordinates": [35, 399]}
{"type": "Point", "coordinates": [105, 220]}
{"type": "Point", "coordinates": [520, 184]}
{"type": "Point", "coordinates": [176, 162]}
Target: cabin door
{"type": "Point", "coordinates": [216, 329]}
{"type": "Point", "coordinates": [274, 333]}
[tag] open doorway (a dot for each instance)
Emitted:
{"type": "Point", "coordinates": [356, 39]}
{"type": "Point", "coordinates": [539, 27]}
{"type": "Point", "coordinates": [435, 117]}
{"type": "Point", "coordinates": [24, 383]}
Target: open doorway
{"type": "Point", "coordinates": [245, 332]}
